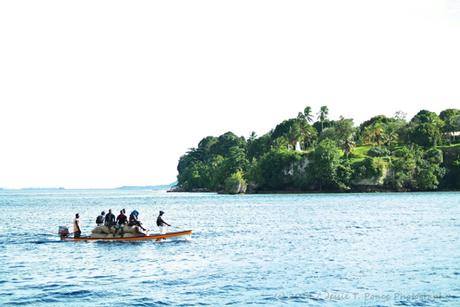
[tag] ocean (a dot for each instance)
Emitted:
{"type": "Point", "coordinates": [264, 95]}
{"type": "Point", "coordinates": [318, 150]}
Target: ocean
{"type": "Point", "coordinates": [377, 249]}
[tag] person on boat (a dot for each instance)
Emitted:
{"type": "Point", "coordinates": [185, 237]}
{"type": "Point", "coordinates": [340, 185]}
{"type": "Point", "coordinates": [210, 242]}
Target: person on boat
{"type": "Point", "coordinates": [134, 220]}
{"type": "Point", "coordinates": [76, 226]}
{"type": "Point", "coordinates": [122, 219]}
{"type": "Point", "coordinates": [161, 223]}
{"type": "Point", "coordinates": [100, 219]}
{"type": "Point", "coordinates": [109, 219]}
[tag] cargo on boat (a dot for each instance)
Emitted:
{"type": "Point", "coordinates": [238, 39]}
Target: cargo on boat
{"type": "Point", "coordinates": [127, 233]}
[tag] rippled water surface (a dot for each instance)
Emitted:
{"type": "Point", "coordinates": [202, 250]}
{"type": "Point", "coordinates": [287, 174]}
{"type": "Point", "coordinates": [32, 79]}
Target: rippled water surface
{"type": "Point", "coordinates": [322, 249]}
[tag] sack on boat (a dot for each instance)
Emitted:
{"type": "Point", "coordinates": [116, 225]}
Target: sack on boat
{"type": "Point", "coordinates": [131, 229]}
{"type": "Point", "coordinates": [102, 230]}
{"type": "Point", "coordinates": [113, 230]}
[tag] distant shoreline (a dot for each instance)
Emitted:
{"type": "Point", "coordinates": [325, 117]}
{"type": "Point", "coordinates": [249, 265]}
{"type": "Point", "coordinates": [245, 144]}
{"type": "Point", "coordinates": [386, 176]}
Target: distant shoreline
{"type": "Point", "coordinates": [147, 187]}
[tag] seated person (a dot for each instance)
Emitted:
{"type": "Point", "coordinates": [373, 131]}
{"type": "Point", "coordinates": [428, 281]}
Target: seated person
{"type": "Point", "coordinates": [100, 219]}
{"type": "Point", "coordinates": [109, 219]}
{"type": "Point", "coordinates": [122, 219]}
{"type": "Point", "coordinates": [134, 220]}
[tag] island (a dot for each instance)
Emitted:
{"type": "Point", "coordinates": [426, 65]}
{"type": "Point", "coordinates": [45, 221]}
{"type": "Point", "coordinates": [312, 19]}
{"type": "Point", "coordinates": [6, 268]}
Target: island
{"type": "Point", "coordinates": [305, 155]}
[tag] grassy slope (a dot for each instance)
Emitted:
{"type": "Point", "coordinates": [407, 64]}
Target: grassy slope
{"type": "Point", "coordinates": [359, 153]}
{"type": "Point", "coordinates": [452, 146]}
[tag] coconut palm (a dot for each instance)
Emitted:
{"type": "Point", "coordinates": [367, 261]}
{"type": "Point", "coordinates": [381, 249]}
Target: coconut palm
{"type": "Point", "coordinates": [322, 115]}
{"type": "Point", "coordinates": [374, 134]}
{"type": "Point", "coordinates": [307, 114]}
{"type": "Point", "coordinates": [294, 134]}
{"type": "Point", "coordinates": [347, 146]}
{"type": "Point", "coordinates": [391, 137]}
{"type": "Point", "coordinates": [367, 135]}
{"type": "Point", "coordinates": [379, 133]}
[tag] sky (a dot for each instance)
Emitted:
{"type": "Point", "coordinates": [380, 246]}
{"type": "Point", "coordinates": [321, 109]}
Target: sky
{"type": "Point", "coordinates": [99, 94]}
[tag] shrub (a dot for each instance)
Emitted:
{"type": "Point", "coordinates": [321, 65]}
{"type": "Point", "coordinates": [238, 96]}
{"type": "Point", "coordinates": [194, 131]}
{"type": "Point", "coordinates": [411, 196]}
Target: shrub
{"type": "Point", "coordinates": [378, 152]}
{"type": "Point", "coordinates": [369, 168]}
{"type": "Point", "coordinates": [235, 183]}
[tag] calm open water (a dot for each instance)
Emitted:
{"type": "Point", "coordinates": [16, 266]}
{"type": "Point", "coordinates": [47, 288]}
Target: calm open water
{"type": "Point", "coordinates": [321, 250]}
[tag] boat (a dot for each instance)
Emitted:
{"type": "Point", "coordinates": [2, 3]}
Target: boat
{"type": "Point", "coordinates": [176, 235]}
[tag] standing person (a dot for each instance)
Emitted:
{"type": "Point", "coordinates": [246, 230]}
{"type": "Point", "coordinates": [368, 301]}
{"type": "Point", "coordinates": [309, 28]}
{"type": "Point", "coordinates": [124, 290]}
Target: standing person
{"type": "Point", "coordinates": [100, 219]}
{"type": "Point", "coordinates": [76, 226]}
{"type": "Point", "coordinates": [161, 223]}
{"type": "Point", "coordinates": [109, 220]}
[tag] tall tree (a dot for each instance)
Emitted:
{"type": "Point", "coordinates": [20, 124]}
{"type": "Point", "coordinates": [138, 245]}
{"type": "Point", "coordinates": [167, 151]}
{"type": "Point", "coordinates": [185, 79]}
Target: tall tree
{"type": "Point", "coordinates": [391, 134]}
{"type": "Point", "coordinates": [425, 129]}
{"type": "Point", "coordinates": [295, 134]}
{"type": "Point", "coordinates": [309, 134]}
{"type": "Point", "coordinates": [308, 114]}
{"type": "Point", "coordinates": [325, 161]}
{"type": "Point", "coordinates": [400, 115]}
{"type": "Point", "coordinates": [451, 118]}
{"type": "Point", "coordinates": [374, 134]}
{"type": "Point", "coordinates": [322, 115]}
{"type": "Point", "coordinates": [344, 129]}
{"type": "Point", "coordinates": [347, 146]}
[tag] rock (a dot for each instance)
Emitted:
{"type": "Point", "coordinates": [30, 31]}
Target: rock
{"type": "Point", "coordinates": [235, 184]}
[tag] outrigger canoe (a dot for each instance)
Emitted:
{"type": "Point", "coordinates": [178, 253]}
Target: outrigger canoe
{"type": "Point", "coordinates": [185, 234]}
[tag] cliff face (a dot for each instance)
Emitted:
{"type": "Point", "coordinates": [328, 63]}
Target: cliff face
{"type": "Point", "coordinates": [373, 181]}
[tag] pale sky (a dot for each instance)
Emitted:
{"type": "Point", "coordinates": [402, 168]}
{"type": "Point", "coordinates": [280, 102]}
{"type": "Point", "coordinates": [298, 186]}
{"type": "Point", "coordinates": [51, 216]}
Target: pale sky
{"type": "Point", "coordinates": [98, 94]}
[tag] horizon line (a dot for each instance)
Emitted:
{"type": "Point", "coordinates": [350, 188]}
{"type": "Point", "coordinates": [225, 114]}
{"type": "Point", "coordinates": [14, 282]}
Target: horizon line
{"type": "Point", "coordinates": [91, 188]}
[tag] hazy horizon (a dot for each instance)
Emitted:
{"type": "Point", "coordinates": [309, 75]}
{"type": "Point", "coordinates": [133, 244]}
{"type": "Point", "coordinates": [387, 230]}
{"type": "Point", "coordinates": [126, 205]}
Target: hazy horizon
{"type": "Point", "coordinates": [123, 187]}
{"type": "Point", "coordinates": [110, 93]}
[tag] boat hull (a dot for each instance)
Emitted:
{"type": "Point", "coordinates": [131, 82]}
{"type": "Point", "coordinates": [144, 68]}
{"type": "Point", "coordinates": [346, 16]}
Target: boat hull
{"type": "Point", "coordinates": [185, 234]}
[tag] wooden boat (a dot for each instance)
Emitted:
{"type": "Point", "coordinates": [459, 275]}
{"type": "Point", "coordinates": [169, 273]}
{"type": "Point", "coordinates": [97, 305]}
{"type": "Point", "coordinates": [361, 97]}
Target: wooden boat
{"type": "Point", "coordinates": [184, 234]}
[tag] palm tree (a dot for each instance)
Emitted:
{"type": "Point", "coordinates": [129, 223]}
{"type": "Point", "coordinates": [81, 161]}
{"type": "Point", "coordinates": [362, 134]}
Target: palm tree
{"type": "Point", "coordinates": [322, 115]}
{"type": "Point", "coordinates": [307, 114]}
{"type": "Point", "coordinates": [308, 133]}
{"type": "Point", "coordinates": [367, 135]}
{"type": "Point", "coordinates": [374, 134]}
{"type": "Point", "coordinates": [391, 137]}
{"type": "Point", "coordinates": [379, 133]}
{"type": "Point", "coordinates": [294, 134]}
{"type": "Point", "coordinates": [348, 146]}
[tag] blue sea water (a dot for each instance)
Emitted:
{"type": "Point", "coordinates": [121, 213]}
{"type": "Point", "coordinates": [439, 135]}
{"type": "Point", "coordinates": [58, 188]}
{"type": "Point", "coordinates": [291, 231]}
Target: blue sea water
{"type": "Point", "coordinates": [384, 249]}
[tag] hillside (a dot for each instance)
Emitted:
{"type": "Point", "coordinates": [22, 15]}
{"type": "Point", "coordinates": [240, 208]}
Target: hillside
{"type": "Point", "coordinates": [302, 155]}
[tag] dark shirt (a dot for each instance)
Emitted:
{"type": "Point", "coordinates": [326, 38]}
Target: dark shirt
{"type": "Point", "coordinates": [100, 219]}
{"type": "Point", "coordinates": [109, 219]}
{"type": "Point", "coordinates": [121, 219]}
{"type": "Point", "coordinates": [133, 221]}
{"type": "Point", "coordinates": [160, 221]}
{"type": "Point", "coordinates": [132, 218]}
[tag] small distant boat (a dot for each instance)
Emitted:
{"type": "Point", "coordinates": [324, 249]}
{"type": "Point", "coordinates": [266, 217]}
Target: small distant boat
{"type": "Point", "coordinates": [177, 235]}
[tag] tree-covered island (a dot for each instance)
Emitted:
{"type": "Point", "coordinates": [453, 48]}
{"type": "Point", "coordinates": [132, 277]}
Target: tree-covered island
{"type": "Point", "coordinates": [304, 155]}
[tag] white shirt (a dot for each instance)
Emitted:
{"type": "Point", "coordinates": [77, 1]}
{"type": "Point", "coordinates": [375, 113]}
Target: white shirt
{"type": "Point", "coordinates": [76, 225]}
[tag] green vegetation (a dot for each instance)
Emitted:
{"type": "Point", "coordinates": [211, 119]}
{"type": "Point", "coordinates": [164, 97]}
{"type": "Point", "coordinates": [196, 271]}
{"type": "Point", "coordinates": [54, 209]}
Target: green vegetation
{"type": "Point", "coordinates": [235, 183]}
{"type": "Point", "coordinates": [303, 155]}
